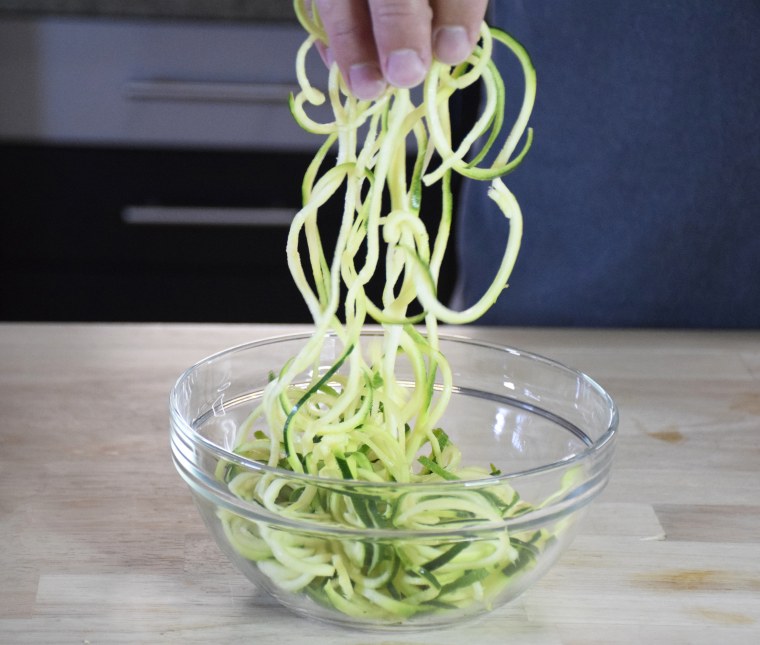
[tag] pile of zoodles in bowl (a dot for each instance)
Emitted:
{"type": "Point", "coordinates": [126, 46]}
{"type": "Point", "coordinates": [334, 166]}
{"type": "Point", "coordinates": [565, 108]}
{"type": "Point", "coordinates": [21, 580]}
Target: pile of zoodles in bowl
{"type": "Point", "coordinates": [355, 420]}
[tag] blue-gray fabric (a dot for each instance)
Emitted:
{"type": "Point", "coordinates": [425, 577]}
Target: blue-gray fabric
{"type": "Point", "coordinates": [641, 194]}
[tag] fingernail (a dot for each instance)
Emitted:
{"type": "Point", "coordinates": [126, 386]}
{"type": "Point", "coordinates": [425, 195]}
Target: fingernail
{"type": "Point", "coordinates": [326, 54]}
{"type": "Point", "coordinates": [366, 81]}
{"type": "Point", "coordinates": [451, 44]}
{"type": "Point", "coordinates": [405, 68]}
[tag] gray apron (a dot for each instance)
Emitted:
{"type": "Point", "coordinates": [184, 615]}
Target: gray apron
{"type": "Point", "coordinates": [641, 194]}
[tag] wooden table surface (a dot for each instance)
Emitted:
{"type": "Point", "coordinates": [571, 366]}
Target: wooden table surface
{"type": "Point", "coordinates": [101, 542]}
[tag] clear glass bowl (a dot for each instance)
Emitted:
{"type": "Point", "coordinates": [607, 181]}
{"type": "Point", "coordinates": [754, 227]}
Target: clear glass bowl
{"type": "Point", "coordinates": [549, 429]}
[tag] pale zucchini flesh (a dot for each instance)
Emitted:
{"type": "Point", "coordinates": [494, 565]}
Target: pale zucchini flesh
{"type": "Point", "coordinates": [353, 420]}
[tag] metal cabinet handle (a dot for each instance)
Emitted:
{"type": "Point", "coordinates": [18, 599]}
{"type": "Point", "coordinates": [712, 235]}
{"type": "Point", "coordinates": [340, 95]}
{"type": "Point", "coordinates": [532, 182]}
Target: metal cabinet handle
{"type": "Point", "coordinates": [208, 91]}
{"type": "Point", "coordinates": [202, 216]}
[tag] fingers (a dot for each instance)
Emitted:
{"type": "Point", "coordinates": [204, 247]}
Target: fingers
{"type": "Point", "coordinates": [456, 28]}
{"type": "Point", "coordinates": [352, 45]}
{"type": "Point", "coordinates": [375, 42]}
{"type": "Point", "coordinates": [402, 30]}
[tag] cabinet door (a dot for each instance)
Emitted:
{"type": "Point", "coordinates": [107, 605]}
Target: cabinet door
{"type": "Point", "coordinates": [122, 82]}
{"type": "Point", "coordinates": [125, 234]}
{"type": "Point", "coordinates": [156, 235]}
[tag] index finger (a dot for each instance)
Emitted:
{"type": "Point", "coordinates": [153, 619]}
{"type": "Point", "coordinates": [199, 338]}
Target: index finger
{"type": "Point", "coordinates": [348, 26]}
{"type": "Point", "coordinates": [402, 30]}
{"type": "Point", "coordinates": [456, 28]}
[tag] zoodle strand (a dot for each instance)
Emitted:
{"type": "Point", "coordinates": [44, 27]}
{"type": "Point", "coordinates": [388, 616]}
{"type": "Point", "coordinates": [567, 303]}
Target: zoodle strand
{"type": "Point", "coordinates": [353, 419]}
{"type": "Point", "coordinates": [371, 170]}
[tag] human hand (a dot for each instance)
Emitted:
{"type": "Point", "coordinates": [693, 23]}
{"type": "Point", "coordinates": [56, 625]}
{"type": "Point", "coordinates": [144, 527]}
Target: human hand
{"type": "Point", "coordinates": [380, 42]}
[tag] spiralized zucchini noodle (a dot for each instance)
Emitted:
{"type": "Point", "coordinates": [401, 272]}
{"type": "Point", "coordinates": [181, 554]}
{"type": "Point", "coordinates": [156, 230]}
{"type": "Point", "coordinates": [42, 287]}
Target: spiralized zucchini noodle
{"type": "Point", "coordinates": [354, 419]}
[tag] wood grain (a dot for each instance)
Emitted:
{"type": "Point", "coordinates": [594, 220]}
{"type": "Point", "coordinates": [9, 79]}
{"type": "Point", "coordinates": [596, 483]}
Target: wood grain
{"type": "Point", "coordinates": [102, 543]}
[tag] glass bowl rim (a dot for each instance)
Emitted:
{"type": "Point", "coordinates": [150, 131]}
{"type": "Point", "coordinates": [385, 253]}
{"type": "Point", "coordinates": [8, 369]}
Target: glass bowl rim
{"type": "Point", "coordinates": [600, 445]}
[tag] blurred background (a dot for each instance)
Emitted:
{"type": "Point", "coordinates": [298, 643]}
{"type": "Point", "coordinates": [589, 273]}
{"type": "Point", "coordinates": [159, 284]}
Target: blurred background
{"type": "Point", "coordinates": [151, 163]}
{"type": "Point", "coordinates": [151, 166]}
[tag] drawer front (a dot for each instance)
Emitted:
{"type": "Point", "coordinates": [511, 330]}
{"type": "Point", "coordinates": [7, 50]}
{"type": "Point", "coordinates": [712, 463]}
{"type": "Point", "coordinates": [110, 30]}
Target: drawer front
{"type": "Point", "coordinates": [151, 83]}
{"type": "Point", "coordinates": [146, 234]}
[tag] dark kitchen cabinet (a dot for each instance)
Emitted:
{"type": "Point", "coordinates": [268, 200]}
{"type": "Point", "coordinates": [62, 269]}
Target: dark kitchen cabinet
{"type": "Point", "coordinates": [69, 251]}
{"type": "Point", "coordinates": [105, 124]}
{"type": "Point", "coordinates": [151, 170]}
